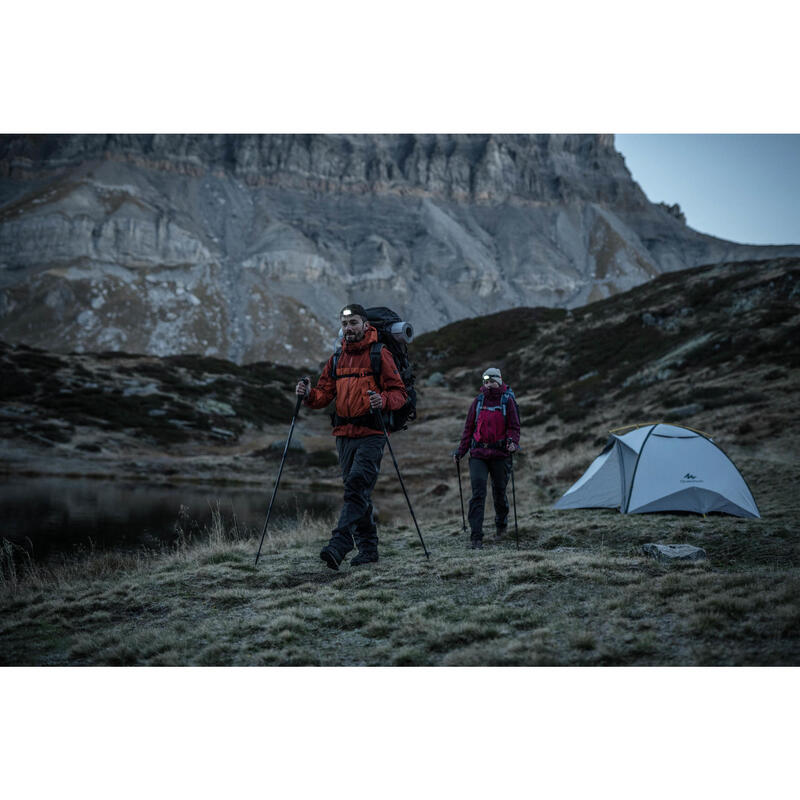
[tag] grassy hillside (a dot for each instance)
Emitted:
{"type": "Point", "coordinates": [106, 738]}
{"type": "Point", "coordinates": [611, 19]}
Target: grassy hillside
{"type": "Point", "coordinates": [716, 348]}
{"type": "Point", "coordinates": [90, 400]}
{"type": "Point", "coordinates": [745, 311]}
{"type": "Point", "coordinates": [578, 592]}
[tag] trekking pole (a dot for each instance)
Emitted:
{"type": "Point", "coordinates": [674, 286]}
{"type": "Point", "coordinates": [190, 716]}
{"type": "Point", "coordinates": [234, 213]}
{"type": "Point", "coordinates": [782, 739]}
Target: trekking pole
{"type": "Point", "coordinates": [402, 485]}
{"type": "Point", "coordinates": [514, 496]}
{"type": "Point", "coordinates": [280, 470]}
{"type": "Point", "coordinates": [461, 495]}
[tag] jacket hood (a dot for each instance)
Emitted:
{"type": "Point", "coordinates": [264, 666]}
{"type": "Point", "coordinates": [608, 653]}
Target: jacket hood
{"type": "Point", "coordinates": [370, 337]}
{"type": "Point", "coordinates": [492, 392]}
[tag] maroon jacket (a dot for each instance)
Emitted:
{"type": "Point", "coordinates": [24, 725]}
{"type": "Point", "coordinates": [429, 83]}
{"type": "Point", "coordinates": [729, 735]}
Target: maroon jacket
{"type": "Point", "coordinates": [491, 397]}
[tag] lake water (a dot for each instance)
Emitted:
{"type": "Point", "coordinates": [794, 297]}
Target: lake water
{"type": "Point", "coordinates": [56, 517]}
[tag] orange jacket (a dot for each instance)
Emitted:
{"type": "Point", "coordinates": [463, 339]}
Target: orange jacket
{"type": "Point", "coordinates": [355, 378]}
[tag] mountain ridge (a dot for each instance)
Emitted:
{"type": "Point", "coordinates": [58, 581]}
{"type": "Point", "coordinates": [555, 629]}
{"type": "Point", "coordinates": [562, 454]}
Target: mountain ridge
{"type": "Point", "coordinates": [246, 246]}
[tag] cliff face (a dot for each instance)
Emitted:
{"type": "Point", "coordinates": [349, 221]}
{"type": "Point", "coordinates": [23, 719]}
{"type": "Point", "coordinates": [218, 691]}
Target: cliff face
{"type": "Point", "coordinates": [246, 246]}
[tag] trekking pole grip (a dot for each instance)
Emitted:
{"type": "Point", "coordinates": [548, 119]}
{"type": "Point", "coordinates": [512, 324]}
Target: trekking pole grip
{"type": "Point", "coordinates": [306, 380]}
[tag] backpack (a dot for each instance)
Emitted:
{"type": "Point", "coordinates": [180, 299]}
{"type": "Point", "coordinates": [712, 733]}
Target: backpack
{"type": "Point", "coordinates": [393, 334]}
{"type": "Point", "coordinates": [489, 429]}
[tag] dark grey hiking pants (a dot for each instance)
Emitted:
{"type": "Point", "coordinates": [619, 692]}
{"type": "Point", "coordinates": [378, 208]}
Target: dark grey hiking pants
{"type": "Point", "coordinates": [360, 460]}
{"type": "Point", "coordinates": [480, 470]}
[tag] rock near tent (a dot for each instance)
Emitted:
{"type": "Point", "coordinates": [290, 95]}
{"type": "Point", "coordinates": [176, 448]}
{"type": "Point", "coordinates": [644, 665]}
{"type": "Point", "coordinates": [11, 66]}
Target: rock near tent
{"type": "Point", "coordinates": [659, 467]}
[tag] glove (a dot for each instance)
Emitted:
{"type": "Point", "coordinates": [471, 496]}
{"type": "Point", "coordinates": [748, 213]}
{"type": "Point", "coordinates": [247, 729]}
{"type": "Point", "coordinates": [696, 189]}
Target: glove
{"type": "Point", "coordinates": [512, 446]}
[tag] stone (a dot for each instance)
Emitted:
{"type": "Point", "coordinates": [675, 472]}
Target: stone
{"type": "Point", "coordinates": [649, 319]}
{"type": "Point", "coordinates": [435, 379]}
{"type": "Point", "coordinates": [680, 412]}
{"type": "Point", "coordinates": [134, 388]}
{"type": "Point", "coordinates": [295, 446]}
{"type": "Point", "coordinates": [674, 552]}
{"type": "Point", "coordinates": [215, 407]}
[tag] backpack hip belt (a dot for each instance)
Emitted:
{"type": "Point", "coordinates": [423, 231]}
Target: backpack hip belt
{"type": "Point", "coordinates": [499, 445]}
{"type": "Point", "coordinates": [365, 421]}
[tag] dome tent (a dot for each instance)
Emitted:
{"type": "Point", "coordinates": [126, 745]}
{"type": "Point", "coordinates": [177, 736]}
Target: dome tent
{"type": "Point", "coordinates": [660, 467]}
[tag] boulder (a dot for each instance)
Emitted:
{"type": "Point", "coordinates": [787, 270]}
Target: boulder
{"type": "Point", "coordinates": [215, 407]}
{"type": "Point", "coordinates": [648, 319]}
{"type": "Point", "coordinates": [674, 552]}
{"type": "Point", "coordinates": [436, 379]}
{"type": "Point", "coordinates": [295, 446]}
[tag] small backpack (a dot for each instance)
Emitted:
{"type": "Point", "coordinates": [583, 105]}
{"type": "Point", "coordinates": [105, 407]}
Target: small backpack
{"type": "Point", "coordinates": [490, 427]}
{"type": "Point", "coordinates": [384, 320]}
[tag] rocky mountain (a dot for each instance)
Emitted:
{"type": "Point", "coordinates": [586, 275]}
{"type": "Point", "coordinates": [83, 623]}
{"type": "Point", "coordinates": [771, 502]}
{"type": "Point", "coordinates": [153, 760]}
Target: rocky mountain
{"type": "Point", "coordinates": [246, 246]}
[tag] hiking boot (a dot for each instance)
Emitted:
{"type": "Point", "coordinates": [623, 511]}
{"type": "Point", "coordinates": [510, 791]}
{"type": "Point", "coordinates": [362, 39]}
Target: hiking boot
{"type": "Point", "coordinates": [331, 557]}
{"type": "Point", "coordinates": [500, 531]}
{"type": "Point", "coordinates": [364, 558]}
{"type": "Point", "coordinates": [476, 544]}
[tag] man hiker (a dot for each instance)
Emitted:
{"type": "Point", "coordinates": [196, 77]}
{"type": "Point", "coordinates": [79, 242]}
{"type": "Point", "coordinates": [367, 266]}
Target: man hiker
{"type": "Point", "coordinates": [359, 436]}
{"type": "Point", "coordinates": [491, 435]}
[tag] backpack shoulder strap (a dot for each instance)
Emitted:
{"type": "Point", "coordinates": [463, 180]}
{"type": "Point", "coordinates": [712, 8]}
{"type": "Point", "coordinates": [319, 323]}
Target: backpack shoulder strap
{"type": "Point", "coordinates": [508, 394]}
{"type": "Point", "coordinates": [375, 360]}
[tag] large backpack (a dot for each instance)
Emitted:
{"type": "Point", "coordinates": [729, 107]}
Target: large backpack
{"type": "Point", "coordinates": [383, 320]}
{"type": "Point", "coordinates": [490, 427]}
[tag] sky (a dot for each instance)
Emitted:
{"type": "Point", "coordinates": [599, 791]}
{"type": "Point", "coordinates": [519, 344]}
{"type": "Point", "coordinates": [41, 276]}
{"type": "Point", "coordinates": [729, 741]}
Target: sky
{"type": "Point", "coordinates": [740, 187]}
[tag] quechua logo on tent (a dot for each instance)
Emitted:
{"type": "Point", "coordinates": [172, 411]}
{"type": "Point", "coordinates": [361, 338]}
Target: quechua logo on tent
{"type": "Point", "coordinates": [690, 478]}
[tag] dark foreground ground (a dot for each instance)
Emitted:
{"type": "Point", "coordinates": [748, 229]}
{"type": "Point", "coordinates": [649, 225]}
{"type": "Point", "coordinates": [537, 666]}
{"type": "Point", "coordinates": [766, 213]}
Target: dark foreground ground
{"type": "Point", "coordinates": [578, 591]}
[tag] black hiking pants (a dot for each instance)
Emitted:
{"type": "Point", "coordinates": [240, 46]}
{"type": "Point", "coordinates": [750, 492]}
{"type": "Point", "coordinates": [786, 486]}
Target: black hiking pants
{"type": "Point", "coordinates": [360, 460]}
{"type": "Point", "coordinates": [480, 470]}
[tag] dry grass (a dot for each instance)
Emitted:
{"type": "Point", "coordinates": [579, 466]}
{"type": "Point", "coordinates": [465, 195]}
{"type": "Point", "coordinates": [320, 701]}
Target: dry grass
{"type": "Point", "coordinates": [577, 592]}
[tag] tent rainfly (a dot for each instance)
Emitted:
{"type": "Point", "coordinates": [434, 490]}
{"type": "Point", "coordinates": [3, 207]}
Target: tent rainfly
{"type": "Point", "coordinates": [659, 467]}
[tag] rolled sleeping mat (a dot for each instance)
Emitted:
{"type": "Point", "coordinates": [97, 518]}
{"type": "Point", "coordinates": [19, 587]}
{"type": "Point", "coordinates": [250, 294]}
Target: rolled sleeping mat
{"type": "Point", "coordinates": [403, 331]}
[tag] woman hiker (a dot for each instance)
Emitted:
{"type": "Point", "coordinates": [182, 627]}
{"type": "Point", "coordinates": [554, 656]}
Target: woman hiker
{"type": "Point", "coordinates": [491, 435]}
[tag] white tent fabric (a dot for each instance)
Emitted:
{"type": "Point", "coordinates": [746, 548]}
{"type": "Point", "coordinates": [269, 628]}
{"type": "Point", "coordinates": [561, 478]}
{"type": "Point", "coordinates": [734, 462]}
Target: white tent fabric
{"type": "Point", "coordinates": [662, 467]}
